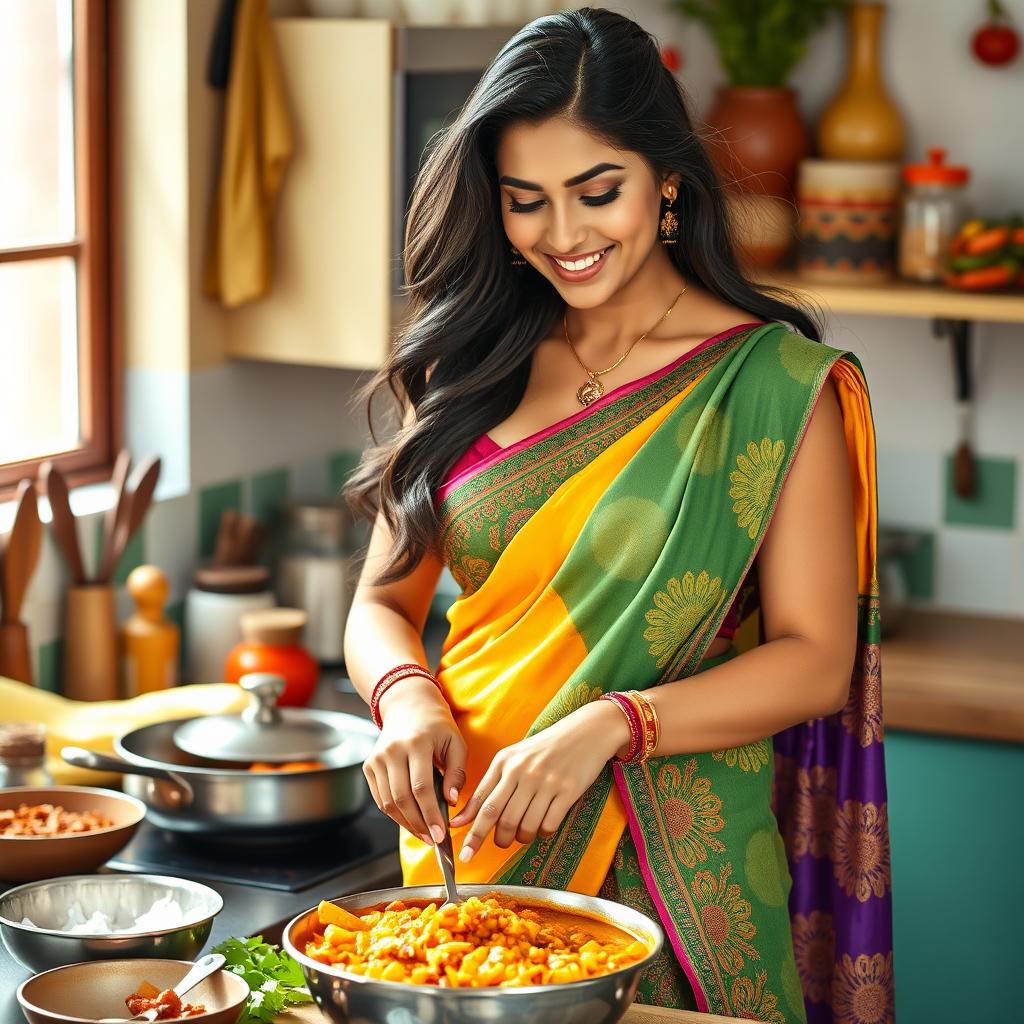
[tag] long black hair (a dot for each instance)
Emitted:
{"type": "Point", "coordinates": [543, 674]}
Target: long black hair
{"type": "Point", "coordinates": [462, 358]}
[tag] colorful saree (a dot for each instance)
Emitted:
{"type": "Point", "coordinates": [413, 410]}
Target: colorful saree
{"type": "Point", "coordinates": [587, 564]}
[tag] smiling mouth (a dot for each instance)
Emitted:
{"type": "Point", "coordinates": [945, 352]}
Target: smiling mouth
{"type": "Point", "coordinates": [580, 262]}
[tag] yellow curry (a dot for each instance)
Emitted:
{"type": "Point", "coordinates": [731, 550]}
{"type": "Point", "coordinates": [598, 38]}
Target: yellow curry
{"type": "Point", "coordinates": [479, 943]}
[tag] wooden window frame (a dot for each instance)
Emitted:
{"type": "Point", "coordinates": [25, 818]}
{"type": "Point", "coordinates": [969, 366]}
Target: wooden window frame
{"type": "Point", "coordinates": [95, 251]}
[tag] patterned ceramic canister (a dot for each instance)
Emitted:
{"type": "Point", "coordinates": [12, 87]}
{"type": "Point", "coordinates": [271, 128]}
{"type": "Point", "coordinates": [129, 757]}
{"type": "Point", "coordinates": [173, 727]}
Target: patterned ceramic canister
{"type": "Point", "coordinates": [848, 220]}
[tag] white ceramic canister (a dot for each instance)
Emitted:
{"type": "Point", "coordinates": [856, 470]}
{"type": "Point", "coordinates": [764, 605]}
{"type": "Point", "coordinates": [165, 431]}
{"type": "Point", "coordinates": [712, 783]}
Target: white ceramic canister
{"type": "Point", "coordinates": [213, 628]}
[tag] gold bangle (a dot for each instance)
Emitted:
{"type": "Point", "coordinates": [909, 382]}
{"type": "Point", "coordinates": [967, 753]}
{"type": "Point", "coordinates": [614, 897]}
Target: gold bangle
{"type": "Point", "coordinates": [649, 720]}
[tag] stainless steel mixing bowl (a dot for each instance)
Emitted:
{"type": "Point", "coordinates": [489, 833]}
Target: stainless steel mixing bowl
{"type": "Point", "coordinates": [47, 904]}
{"type": "Point", "coordinates": [353, 999]}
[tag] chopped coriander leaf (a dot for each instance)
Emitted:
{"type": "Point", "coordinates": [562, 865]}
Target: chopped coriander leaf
{"type": "Point", "coordinates": [274, 978]}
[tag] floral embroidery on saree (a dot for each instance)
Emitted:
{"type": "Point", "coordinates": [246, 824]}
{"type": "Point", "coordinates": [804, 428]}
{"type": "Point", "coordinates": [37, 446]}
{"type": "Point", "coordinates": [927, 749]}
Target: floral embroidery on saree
{"type": "Point", "coordinates": [636, 592]}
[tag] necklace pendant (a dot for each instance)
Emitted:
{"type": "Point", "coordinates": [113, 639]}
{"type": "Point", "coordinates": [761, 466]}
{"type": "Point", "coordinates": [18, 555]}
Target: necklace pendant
{"type": "Point", "coordinates": [590, 392]}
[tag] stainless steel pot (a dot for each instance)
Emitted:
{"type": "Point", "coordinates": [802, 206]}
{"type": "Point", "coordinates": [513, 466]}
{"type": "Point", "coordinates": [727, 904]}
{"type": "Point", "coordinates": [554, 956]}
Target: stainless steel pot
{"type": "Point", "coordinates": [354, 999]}
{"type": "Point", "coordinates": [222, 800]}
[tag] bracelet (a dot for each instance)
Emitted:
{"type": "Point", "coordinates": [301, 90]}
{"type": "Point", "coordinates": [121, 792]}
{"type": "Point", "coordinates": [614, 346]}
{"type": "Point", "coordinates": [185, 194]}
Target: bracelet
{"type": "Point", "coordinates": [644, 725]}
{"type": "Point", "coordinates": [392, 676]}
{"type": "Point", "coordinates": [636, 735]}
{"type": "Point", "coordinates": [651, 724]}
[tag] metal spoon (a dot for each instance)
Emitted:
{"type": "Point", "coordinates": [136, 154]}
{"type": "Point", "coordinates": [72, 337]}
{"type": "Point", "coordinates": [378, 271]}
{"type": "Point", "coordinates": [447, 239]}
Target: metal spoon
{"type": "Point", "coordinates": [200, 971]}
{"type": "Point", "coordinates": [443, 849]}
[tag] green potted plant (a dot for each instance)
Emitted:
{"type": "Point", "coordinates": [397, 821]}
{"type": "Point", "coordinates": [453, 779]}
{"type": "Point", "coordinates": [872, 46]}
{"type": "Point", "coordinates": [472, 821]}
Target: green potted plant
{"type": "Point", "coordinates": [757, 136]}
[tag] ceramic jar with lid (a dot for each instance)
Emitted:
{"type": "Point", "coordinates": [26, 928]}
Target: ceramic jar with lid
{"type": "Point", "coordinates": [272, 643]}
{"type": "Point", "coordinates": [23, 755]}
{"type": "Point", "coordinates": [934, 207]}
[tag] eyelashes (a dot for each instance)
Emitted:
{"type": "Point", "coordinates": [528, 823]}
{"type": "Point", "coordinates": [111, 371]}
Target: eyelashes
{"type": "Point", "coordinates": [602, 200]}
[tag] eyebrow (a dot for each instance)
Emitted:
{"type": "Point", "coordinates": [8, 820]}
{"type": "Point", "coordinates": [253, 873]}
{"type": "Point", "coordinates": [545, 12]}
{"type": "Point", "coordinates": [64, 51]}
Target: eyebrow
{"type": "Point", "coordinates": [531, 186]}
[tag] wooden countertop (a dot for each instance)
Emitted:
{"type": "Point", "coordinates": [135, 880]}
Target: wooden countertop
{"type": "Point", "coordinates": [634, 1015]}
{"type": "Point", "coordinates": [955, 675]}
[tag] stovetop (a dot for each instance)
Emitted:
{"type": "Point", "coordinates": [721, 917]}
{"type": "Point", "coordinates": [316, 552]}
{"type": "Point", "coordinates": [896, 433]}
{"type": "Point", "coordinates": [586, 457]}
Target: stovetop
{"type": "Point", "coordinates": [285, 866]}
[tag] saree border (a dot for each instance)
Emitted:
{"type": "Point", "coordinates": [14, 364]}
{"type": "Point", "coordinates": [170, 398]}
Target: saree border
{"type": "Point", "coordinates": [538, 458]}
{"type": "Point", "coordinates": [568, 422]}
{"type": "Point", "coordinates": [687, 936]}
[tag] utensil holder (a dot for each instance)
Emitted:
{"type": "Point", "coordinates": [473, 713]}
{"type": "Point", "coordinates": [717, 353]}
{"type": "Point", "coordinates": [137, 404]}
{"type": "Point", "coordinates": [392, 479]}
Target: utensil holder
{"type": "Point", "coordinates": [90, 643]}
{"type": "Point", "coordinates": [15, 658]}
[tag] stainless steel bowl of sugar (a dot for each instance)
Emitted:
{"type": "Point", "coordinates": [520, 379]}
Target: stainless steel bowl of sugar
{"type": "Point", "coordinates": [99, 917]}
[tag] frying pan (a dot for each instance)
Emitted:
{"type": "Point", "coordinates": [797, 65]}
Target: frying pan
{"type": "Point", "coordinates": [226, 802]}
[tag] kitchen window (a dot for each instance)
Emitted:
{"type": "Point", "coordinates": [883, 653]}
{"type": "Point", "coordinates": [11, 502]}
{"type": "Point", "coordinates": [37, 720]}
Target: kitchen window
{"type": "Point", "coordinates": [56, 358]}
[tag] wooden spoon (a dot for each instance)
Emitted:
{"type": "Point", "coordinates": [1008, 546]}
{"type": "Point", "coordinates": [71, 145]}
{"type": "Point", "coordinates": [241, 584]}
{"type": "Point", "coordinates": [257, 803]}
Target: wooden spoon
{"type": "Point", "coordinates": [138, 495]}
{"type": "Point", "coordinates": [19, 562]}
{"type": "Point", "coordinates": [63, 525]}
{"type": "Point", "coordinates": [114, 514]}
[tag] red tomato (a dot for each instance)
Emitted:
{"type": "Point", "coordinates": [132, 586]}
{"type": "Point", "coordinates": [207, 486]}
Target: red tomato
{"type": "Point", "coordinates": [671, 59]}
{"type": "Point", "coordinates": [996, 43]}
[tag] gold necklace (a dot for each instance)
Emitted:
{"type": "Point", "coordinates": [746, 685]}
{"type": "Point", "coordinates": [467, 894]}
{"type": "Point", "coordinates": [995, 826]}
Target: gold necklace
{"type": "Point", "coordinates": [592, 389]}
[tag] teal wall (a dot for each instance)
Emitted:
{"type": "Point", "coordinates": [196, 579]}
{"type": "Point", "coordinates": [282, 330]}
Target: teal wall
{"type": "Point", "coordinates": [956, 817]}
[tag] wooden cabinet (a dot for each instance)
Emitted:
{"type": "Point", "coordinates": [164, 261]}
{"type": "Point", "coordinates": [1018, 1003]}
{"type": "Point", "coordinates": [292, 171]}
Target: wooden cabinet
{"type": "Point", "coordinates": [330, 304]}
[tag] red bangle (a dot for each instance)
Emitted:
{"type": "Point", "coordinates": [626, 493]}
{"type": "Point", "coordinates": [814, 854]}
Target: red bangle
{"type": "Point", "coordinates": [392, 676]}
{"type": "Point", "coordinates": [649, 722]}
{"type": "Point", "coordinates": [636, 732]}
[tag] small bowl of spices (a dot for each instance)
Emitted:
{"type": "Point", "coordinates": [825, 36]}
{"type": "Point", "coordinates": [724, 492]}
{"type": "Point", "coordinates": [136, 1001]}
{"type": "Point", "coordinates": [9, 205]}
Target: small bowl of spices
{"type": "Point", "coordinates": [47, 831]}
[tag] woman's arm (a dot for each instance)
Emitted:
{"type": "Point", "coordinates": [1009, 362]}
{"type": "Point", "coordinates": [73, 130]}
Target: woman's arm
{"type": "Point", "coordinates": [807, 570]}
{"type": "Point", "coordinates": [384, 629]}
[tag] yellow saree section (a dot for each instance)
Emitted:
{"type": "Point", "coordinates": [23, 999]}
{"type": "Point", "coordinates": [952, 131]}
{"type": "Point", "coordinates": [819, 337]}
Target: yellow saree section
{"type": "Point", "coordinates": [512, 643]}
{"type": "Point", "coordinates": [511, 646]}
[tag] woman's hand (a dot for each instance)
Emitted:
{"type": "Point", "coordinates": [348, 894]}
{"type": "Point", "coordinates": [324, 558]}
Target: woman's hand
{"type": "Point", "coordinates": [418, 732]}
{"type": "Point", "coordinates": [530, 785]}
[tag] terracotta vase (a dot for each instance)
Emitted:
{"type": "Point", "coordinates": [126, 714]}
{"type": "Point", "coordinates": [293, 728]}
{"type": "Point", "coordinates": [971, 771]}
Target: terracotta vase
{"type": "Point", "coordinates": [757, 139]}
{"type": "Point", "coordinates": [862, 122]}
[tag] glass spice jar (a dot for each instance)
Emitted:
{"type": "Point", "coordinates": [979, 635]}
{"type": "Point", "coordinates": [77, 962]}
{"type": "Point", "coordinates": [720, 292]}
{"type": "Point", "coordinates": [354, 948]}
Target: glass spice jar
{"type": "Point", "coordinates": [23, 755]}
{"type": "Point", "coordinates": [934, 207]}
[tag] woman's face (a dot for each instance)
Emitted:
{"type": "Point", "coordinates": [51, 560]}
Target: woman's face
{"type": "Point", "coordinates": [566, 195]}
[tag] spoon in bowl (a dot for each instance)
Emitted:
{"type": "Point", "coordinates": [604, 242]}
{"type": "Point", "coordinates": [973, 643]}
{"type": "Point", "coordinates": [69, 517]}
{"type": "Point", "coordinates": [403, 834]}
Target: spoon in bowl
{"type": "Point", "coordinates": [443, 849]}
{"type": "Point", "coordinates": [200, 971]}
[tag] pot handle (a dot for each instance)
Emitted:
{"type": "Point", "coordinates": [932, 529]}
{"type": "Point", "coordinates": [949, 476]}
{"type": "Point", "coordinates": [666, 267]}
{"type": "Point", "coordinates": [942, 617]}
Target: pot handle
{"type": "Point", "coordinates": [82, 758]}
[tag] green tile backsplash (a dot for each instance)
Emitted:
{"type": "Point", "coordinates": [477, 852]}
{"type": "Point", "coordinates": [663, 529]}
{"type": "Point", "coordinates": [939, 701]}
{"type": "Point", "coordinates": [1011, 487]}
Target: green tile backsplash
{"type": "Point", "coordinates": [175, 612]}
{"type": "Point", "coordinates": [268, 493]}
{"type": "Point", "coordinates": [48, 666]}
{"type": "Point", "coordinates": [339, 466]}
{"type": "Point", "coordinates": [919, 567]}
{"type": "Point", "coordinates": [993, 504]}
{"type": "Point", "coordinates": [213, 500]}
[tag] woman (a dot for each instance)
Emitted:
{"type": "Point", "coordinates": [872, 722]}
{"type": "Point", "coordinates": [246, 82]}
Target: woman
{"type": "Point", "coordinates": [600, 415]}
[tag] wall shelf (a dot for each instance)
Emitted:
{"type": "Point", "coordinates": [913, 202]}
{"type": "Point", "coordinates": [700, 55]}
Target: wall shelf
{"type": "Point", "coordinates": [955, 675]}
{"type": "Point", "coordinates": [900, 298]}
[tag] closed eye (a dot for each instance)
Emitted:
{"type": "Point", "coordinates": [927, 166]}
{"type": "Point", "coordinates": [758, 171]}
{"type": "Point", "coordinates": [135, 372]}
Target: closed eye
{"type": "Point", "coordinates": [606, 197]}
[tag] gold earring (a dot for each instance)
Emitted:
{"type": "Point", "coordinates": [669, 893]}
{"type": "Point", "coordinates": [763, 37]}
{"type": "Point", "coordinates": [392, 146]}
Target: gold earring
{"type": "Point", "coordinates": [669, 228]}
{"type": "Point", "coordinates": [517, 258]}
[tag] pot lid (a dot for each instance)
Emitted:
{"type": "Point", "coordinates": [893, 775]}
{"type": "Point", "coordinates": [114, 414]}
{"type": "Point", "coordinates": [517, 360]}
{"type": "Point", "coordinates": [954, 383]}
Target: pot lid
{"type": "Point", "coordinates": [262, 732]}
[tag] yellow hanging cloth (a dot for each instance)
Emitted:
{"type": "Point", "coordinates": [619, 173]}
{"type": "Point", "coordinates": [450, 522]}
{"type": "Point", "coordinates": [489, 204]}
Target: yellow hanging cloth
{"type": "Point", "coordinates": [257, 147]}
